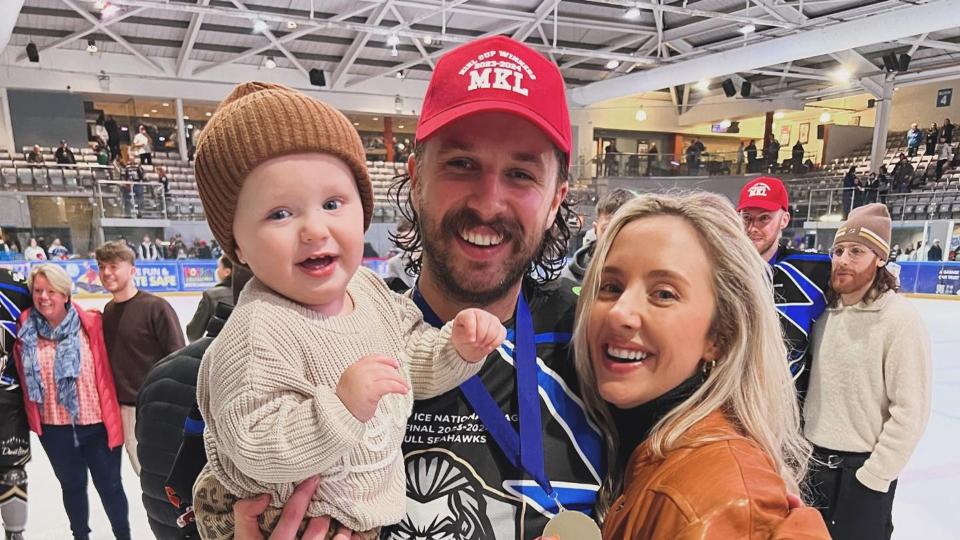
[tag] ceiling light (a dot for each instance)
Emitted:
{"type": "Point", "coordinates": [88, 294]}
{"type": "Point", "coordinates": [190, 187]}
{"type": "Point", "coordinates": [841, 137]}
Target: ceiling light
{"type": "Point", "coordinates": [166, 104]}
{"type": "Point", "coordinates": [778, 115]}
{"type": "Point", "coordinates": [725, 123]}
{"type": "Point", "coordinates": [91, 46]}
{"type": "Point", "coordinates": [146, 115]}
{"type": "Point", "coordinates": [375, 118]}
{"type": "Point", "coordinates": [632, 13]}
{"type": "Point", "coordinates": [748, 29]}
{"type": "Point", "coordinates": [641, 115]}
{"type": "Point", "coordinates": [153, 110]}
{"type": "Point", "coordinates": [291, 25]}
{"type": "Point", "coordinates": [259, 26]}
{"type": "Point", "coordinates": [703, 85]}
{"type": "Point", "coordinates": [109, 12]}
{"type": "Point", "coordinates": [840, 74]}
{"type": "Point", "coordinates": [99, 5]}
{"type": "Point", "coordinates": [400, 127]}
{"type": "Point", "coordinates": [613, 64]}
{"type": "Point", "coordinates": [124, 128]}
{"type": "Point", "coordinates": [189, 126]}
{"type": "Point", "coordinates": [270, 63]}
{"type": "Point", "coordinates": [356, 123]}
{"type": "Point", "coordinates": [825, 117]}
{"type": "Point", "coordinates": [427, 40]}
{"type": "Point", "coordinates": [186, 117]}
{"type": "Point", "coordinates": [393, 40]}
{"type": "Point", "coordinates": [393, 51]}
{"type": "Point", "coordinates": [209, 114]}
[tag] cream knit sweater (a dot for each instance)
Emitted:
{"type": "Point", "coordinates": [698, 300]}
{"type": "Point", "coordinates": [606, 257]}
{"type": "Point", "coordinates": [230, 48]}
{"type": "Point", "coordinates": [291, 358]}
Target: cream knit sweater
{"type": "Point", "coordinates": [870, 385]}
{"type": "Point", "coordinates": [266, 391]}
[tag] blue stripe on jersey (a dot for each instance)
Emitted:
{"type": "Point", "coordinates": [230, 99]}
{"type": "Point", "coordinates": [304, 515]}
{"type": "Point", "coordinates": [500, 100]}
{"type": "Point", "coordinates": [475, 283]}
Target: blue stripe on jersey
{"type": "Point", "coordinates": [556, 338]}
{"type": "Point", "coordinates": [802, 314]}
{"type": "Point", "coordinates": [15, 288]}
{"type": "Point", "coordinates": [816, 257]}
{"type": "Point", "coordinates": [576, 497]}
{"type": "Point", "coordinates": [192, 426]}
{"type": "Point", "coordinates": [11, 307]}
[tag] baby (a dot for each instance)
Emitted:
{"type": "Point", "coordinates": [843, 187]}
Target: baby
{"type": "Point", "coordinates": [312, 372]}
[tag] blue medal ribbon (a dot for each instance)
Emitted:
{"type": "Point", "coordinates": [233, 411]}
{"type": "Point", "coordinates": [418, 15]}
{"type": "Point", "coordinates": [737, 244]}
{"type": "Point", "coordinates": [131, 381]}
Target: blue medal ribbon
{"type": "Point", "coordinates": [524, 450]}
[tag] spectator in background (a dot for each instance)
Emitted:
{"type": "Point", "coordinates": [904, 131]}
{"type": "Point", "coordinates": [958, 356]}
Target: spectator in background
{"type": "Point", "coordinates": [871, 189]}
{"type": "Point", "coordinates": [883, 184]}
{"type": "Point", "coordinates": [64, 155]}
{"type": "Point", "coordinates": [139, 329]}
{"type": "Point", "coordinates": [849, 187]}
{"type": "Point", "coordinates": [147, 250]}
{"type": "Point", "coordinates": [215, 249]}
{"type": "Point", "coordinates": [894, 253]}
{"type": "Point", "coordinates": [751, 150]}
{"type": "Point", "coordinates": [935, 253]}
{"type": "Point", "coordinates": [944, 156]}
{"type": "Point", "coordinates": [58, 251]}
{"type": "Point", "coordinates": [932, 136]}
{"type": "Point", "coordinates": [740, 150]}
{"type": "Point", "coordinates": [103, 156]}
{"type": "Point", "coordinates": [797, 155]}
{"type": "Point", "coordinates": [611, 164]}
{"type": "Point", "coordinates": [34, 252]}
{"type": "Point", "coordinates": [222, 292]}
{"type": "Point", "coordinates": [100, 132]}
{"type": "Point", "coordinates": [693, 158]}
{"type": "Point", "coordinates": [607, 206]}
{"type": "Point", "coordinates": [70, 399]}
{"type": "Point", "coordinates": [142, 146]}
{"type": "Point", "coordinates": [869, 396]}
{"type": "Point", "coordinates": [35, 155]}
{"type": "Point", "coordinates": [396, 276]}
{"type": "Point", "coordinates": [905, 255]}
{"type": "Point", "coordinates": [653, 154]}
{"type": "Point", "coordinates": [113, 137]}
{"type": "Point", "coordinates": [947, 131]}
{"type": "Point", "coordinates": [914, 135]}
{"type": "Point", "coordinates": [902, 174]}
{"type": "Point", "coordinates": [919, 254]}
{"type": "Point", "coordinates": [771, 152]}
{"type": "Point", "coordinates": [158, 244]}
{"type": "Point", "coordinates": [203, 250]}
{"type": "Point", "coordinates": [4, 248]}
{"type": "Point", "coordinates": [164, 181]}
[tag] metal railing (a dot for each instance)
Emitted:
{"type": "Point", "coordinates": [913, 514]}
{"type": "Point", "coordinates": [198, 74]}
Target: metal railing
{"type": "Point", "coordinates": [708, 164]}
{"type": "Point", "coordinates": [131, 200]}
{"type": "Point", "coordinates": [903, 206]}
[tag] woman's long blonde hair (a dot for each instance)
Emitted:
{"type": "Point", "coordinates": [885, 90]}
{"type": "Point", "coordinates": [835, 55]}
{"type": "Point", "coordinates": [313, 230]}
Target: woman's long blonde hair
{"type": "Point", "coordinates": [750, 382]}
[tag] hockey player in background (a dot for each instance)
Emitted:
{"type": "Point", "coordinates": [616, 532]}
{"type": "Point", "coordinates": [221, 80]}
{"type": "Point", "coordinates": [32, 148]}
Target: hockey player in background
{"type": "Point", "coordinates": [14, 432]}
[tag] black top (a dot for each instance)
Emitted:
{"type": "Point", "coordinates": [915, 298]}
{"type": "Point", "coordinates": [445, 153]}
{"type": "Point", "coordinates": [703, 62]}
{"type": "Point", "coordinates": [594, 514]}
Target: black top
{"type": "Point", "coordinates": [634, 425]}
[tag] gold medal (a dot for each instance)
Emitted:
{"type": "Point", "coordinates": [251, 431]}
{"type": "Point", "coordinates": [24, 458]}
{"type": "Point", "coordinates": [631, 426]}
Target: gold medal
{"type": "Point", "coordinates": [569, 525]}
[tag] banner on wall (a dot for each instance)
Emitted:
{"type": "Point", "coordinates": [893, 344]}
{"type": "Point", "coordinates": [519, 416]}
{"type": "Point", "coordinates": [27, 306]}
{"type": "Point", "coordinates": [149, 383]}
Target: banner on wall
{"type": "Point", "coordinates": [152, 276]}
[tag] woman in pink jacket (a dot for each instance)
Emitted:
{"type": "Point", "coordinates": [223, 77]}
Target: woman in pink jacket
{"type": "Point", "coordinates": [70, 398]}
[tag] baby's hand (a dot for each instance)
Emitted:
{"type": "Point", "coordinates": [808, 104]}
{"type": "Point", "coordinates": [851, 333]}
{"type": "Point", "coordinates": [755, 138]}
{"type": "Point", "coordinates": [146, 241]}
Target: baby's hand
{"type": "Point", "coordinates": [476, 334]}
{"type": "Point", "coordinates": [364, 383]}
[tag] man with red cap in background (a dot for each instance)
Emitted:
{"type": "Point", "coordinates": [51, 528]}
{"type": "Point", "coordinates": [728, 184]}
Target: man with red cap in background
{"type": "Point", "coordinates": [800, 280]}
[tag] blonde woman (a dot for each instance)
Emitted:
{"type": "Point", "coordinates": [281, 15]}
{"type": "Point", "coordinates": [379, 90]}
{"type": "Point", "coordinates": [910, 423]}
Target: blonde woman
{"type": "Point", "coordinates": [681, 362]}
{"type": "Point", "coordinates": [70, 398]}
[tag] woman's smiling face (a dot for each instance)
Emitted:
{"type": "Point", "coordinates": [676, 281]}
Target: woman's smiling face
{"type": "Point", "coordinates": [649, 326]}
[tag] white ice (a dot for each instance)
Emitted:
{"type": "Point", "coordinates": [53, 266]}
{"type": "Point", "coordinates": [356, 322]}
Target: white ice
{"type": "Point", "coordinates": [926, 498]}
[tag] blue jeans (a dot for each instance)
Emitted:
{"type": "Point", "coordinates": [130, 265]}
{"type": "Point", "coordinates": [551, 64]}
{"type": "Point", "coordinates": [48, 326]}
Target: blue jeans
{"type": "Point", "coordinates": [70, 463]}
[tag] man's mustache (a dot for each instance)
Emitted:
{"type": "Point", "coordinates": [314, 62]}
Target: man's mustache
{"type": "Point", "coordinates": [466, 218]}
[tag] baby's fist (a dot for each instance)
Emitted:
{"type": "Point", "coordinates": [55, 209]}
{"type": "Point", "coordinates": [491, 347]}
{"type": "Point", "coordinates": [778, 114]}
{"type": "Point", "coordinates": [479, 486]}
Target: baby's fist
{"type": "Point", "coordinates": [476, 334]}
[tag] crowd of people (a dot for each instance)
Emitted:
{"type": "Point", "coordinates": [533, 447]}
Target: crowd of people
{"type": "Point", "coordinates": [709, 385]}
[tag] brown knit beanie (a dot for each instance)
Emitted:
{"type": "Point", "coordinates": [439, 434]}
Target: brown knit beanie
{"type": "Point", "coordinates": [868, 225]}
{"type": "Point", "coordinates": [260, 121]}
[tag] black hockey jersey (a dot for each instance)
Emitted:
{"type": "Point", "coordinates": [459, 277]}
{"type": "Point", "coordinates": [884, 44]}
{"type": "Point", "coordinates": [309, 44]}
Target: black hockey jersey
{"type": "Point", "coordinates": [800, 282]}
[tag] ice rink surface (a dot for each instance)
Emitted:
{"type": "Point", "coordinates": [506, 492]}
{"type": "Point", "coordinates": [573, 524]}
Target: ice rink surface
{"type": "Point", "coordinates": [927, 496]}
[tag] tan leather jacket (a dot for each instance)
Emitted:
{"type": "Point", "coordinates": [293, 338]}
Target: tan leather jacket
{"type": "Point", "coordinates": [724, 489]}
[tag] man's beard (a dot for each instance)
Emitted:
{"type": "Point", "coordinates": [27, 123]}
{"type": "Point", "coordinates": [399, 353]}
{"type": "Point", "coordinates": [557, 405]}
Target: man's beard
{"type": "Point", "coordinates": [470, 283]}
{"type": "Point", "coordinates": [855, 283]}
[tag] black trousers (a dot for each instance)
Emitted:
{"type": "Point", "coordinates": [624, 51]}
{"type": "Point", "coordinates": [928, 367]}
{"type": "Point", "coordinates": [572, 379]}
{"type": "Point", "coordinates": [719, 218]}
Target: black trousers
{"type": "Point", "coordinates": [850, 509]}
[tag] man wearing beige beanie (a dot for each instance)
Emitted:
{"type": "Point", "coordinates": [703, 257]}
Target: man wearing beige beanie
{"type": "Point", "coordinates": [869, 396]}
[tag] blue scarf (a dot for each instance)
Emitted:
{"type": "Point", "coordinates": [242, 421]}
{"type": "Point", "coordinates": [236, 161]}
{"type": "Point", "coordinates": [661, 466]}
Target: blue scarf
{"type": "Point", "coordinates": [66, 366]}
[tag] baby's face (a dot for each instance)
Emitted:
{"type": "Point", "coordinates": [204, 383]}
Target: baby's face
{"type": "Point", "coordinates": [299, 227]}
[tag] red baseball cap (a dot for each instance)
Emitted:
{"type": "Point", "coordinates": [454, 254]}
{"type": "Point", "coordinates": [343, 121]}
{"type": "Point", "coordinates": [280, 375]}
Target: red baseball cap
{"type": "Point", "coordinates": [497, 74]}
{"type": "Point", "coordinates": [764, 192]}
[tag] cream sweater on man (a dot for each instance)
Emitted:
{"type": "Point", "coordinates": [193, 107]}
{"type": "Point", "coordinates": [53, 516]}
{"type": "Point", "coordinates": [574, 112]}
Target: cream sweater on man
{"type": "Point", "coordinates": [870, 385]}
{"type": "Point", "coordinates": [266, 390]}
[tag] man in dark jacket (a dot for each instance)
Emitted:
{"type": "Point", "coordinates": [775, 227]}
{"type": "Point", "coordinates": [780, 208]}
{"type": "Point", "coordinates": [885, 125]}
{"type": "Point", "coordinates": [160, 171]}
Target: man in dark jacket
{"type": "Point", "coordinates": [14, 433]}
{"type": "Point", "coordinates": [64, 155]}
{"type": "Point", "coordinates": [165, 400]}
{"type": "Point", "coordinates": [606, 207]}
{"type": "Point", "coordinates": [220, 293]}
{"type": "Point", "coordinates": [935, 253]}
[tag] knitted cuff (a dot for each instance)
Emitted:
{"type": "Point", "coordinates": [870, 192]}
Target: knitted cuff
{"type": "Point", "coordinates": [337, 418]}
{"type": "Point", "coordinates": [872, 481]}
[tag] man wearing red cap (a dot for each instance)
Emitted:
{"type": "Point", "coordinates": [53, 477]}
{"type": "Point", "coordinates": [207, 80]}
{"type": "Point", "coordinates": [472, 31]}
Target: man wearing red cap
{"type": "Point", "coordinates": [485, 192]}
{"type": "Point", "coordinates": [800, 280]}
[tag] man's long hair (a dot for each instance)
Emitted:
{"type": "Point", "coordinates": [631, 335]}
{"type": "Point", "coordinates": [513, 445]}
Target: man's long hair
{"type": "Point", "coordinates": [550, 258]}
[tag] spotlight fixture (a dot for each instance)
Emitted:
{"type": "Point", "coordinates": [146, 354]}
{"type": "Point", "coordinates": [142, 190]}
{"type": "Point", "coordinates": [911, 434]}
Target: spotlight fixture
{"type": "Point", "coordinates": [91, 46]}
{"type": "Point", "coordinates": [259, 26]}
{"type": "Point", "coordinates": [427, 40]}
{"type": "Point", "coordinates": [32, 53]}
{"type": "Point", "coordinates": [632, 13]}
{"type": "Point", "coordinates": [270, 63]}
{"type": "Point", "coordinates": [703, 85]}
{"type": "Point", "coordinates": [398, 104]}
{"type": "Point", "coordinates": [778, 115]}
{"type": "Point", "coordinates": [393, 51]}
{"type": "Point", "coordinates": [825, 117]}
{"type": "Point", "coordinates": [613, 64]}
{"type": "Point", "coordinates": [641, 115]}
{"type": "Point", "coordinates": [291, 25]}
{"type": "Point", "coordinates": [401, 75]}
{"type": "Point", "coordinates": [748, 29]}
{"type": "Point", "coordinates": [393, 40]}
{"type": "Point", "coordinates": [728, 88]}
{"type": "Point", "coordinates": [841, 74]}
{"type": "Point", "coordinates": [317, 78]}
